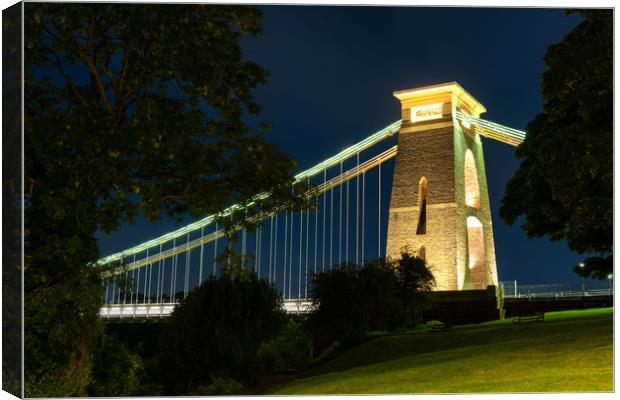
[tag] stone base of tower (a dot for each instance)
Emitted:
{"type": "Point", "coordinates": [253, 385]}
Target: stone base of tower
{"type": "Point", "coordinates": [460, 307]}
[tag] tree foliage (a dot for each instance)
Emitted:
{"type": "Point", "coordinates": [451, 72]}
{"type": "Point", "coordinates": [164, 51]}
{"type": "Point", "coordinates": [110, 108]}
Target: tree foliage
{"type": "Point", "coordinates": [564, 185]}
{"type": "Point", "coordinates": [117, 371]}
{"type": "Point", "coordinates": [130, 110]}
{"type": "Point", "coordinates": [11, 201]}
{"type": "Point", "coordinates": [416, 281]}
{"type": "Point", "coordinates": [216, 331]}
{"type": "Point", "coordinates": [289, 351]}
{"type": "Point", "coordinates": [595, 267]}
{"type": "Point", "coordinates": [349, 301]}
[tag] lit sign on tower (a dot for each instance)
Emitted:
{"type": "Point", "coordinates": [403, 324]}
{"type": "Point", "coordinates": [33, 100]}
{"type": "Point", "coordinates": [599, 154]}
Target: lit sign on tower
{"type": "Point", "coordinates": [427, 112]}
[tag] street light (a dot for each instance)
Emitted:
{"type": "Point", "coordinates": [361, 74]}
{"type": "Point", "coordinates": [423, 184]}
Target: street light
{"type": "Point", "coordinates": [611, 278]}
{"type": "Point", "coordinates": [583, 284]}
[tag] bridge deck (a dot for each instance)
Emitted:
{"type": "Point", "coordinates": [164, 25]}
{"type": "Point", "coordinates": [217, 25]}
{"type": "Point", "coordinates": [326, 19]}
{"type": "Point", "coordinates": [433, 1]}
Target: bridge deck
{"type": "Point", "coordinates": [163, 310]}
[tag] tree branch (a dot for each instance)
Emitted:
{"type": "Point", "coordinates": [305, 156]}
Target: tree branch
{"type": "Point", "coordinates": [121, 84]}
{"type": "Point", "coordinates": [67, 79]}
{"type": "Point", "coordinates": [92, 67]}
{"type": "Point", "coordinates": [99, 82]}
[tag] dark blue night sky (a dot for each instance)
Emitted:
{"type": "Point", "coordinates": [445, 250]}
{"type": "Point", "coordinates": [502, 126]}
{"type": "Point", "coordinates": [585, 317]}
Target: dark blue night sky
{"type": "Point", "coordinates": [333, 71]}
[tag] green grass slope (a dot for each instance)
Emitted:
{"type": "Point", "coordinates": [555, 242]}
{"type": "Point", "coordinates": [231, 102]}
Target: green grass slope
{"type": "Point", "coordinates": [570, 351]}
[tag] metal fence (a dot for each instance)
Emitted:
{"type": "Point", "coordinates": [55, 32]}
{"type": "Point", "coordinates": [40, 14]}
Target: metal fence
{"type": "Point", "coordinates": [512, 289]}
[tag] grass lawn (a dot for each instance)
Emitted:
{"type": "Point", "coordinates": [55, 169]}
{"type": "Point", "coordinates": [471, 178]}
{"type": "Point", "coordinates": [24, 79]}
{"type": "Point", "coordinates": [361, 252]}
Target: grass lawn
{"type": "Point", "coordinates": [570, 351]}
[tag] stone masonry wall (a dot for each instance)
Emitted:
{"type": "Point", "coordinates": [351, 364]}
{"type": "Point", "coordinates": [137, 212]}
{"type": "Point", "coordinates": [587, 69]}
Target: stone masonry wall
{"type": "Point", "coordinates": [439, 155]}
{"type": "Point", "coordinates": [427, 154]}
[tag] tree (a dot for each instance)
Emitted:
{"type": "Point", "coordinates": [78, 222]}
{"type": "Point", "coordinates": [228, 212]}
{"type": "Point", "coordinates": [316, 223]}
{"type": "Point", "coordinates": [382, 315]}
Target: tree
{"type": "Point", "coordinates": [216, 331]}
{"type": "Point", "coordinates": [416, 281]}
{"type": "Point", "coordinates": [116, 369]}
{"type": "Point", "coordinates": [288, 352]}
{"type": "Point", "coordinates": [564, 185]}
{"type": "Point", "coordinates": [348, 301]}
{"type": "Point", "coordinates": [11, 201]}
{"type": "Point", "coordinates": [129, 110]}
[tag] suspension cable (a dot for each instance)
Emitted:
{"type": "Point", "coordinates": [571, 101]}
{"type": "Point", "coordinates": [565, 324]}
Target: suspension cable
{"type": "Point", "coordinates": [146, 273]}
{"type": "Point", "coordinates": [173, 277]}
{"type": "Point", "coordinates": [138, 287]}
{"type": "Point", "coordinates": [379, 217]}
{"type": "Point", "coordinates": [106, 282]}
{"type": "Point", "coordinates": [363, 207]}
{"type": "Point", "coordinates": [118, 301]}
{"type": "Point", "coordinates": [126, 283]}
{"type": "Point", "coordinates": [301, 234]}
{"type": "Point", "coordinates": [307, 240]}
{"type": "Point", "coordinates": [113, 290]}
{"type": "Point", "coordinates": [260, 248]}
{"type": "Point", "coordinates": [346, 230]}
{"type": "Point", "coordinates": [324, 212]}
{"type": "Point", "coordinates": [270, 246]}
{"type": "Point", "coordinates": [243, 243]}
{"type": "Point", "coordinates": [215, 253]}
{"type": "Point", "coordinates": [285, 248]}
{"type": "Point", "coordinates": [256, 252]}
{"type": "Point", "coordinates": [202, 248]}
{"type": "Point", "coordinates": [133, 276]}
{"type": "Point", "coordinates": [158, 277]}
{"type": "Point", "coordinates": [290, 256]}
{"type": "Point", "coordinates": [275, 252]}
{"type": "Point", "coordinates": [187, 257]}
{"type": "Point", "coordinates": [316, 233]}
{"type": "Point", "coordinates": [340, 221]}
{"type": "Point", "coordinates": [357, 213]}
{"type": "Point", "coordinates": [331, 229]}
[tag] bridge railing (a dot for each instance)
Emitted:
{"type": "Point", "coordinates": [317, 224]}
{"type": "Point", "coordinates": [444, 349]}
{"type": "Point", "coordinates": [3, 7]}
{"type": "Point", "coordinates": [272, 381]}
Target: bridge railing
{"type": "Point", "coordinates": [511, 289]}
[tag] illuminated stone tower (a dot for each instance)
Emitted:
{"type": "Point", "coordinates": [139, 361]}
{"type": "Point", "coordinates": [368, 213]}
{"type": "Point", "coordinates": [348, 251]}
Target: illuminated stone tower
{"type": "Point", "coordinates": [440, 202]}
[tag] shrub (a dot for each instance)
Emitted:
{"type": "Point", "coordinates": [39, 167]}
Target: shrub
{"type": "Point", "coordinates": [117, 371]}
{"type": "Point", "coordinates": [348, 301]}
{"type": "Point", "coordinates": [335, 314]}
{"type": "Point", "coordinates": [331, 352]}
{"type": "Point", "coordinates": [215, 332]}
{"type": "Point", "coordinates": [378, 297]}
{"type": "Point", "coordinates": [416, 281]}
{"type": "Point", "coordinates": [288, 352]}
{"type": "Point", "coordinates": [219, 387]}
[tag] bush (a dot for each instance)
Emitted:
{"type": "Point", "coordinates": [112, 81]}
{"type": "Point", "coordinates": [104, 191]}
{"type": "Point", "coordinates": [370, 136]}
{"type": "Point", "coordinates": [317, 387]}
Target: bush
{"type": "Point", "coordinates": [335, 314]}
{"type": "Point", "coordinates": [331, 352]}
{"type": "Point", "coordinates": [416, 281]}
{"type": "Point", "coordinates": [378, 297]}
{"type": "Point", "coordinates": [219, 387]}
{"type": "Point", "coordinates": [215, 333]}
{"type": "Point", "coordinates": [117, 371]}
{"type": "Point", "coordinates": [349, 301]}
{"type": "Point", "coordinates": [288, 352]}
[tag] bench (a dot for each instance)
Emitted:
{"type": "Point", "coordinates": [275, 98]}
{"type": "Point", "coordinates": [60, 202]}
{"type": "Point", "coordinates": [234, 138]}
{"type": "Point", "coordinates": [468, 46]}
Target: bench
{"type": "Point", "coordinates": [535, 317]}
{"type": "Point", "coordinates": [441, 326]}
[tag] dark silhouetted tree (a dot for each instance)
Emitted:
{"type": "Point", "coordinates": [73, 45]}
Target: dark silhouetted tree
{"type": "Point", "coordinates": [130, 109]}
{"type": "Point", "coordinates": [564, 185]}
{"type": "Point", "coordinates": [216, 331]}
{"type": "Point", "coordinates": [349, 301]}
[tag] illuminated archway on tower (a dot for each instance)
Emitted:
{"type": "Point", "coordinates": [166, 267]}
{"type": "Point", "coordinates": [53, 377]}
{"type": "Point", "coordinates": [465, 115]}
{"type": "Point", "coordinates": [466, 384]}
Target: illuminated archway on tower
{"type": "Point", "coordinates": [422, 192]}
{"type": "Point", "coordinates": [472, 189]}
{"type": "Point", "coordinates": [475, 246]}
